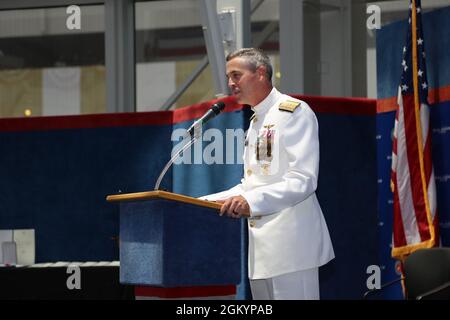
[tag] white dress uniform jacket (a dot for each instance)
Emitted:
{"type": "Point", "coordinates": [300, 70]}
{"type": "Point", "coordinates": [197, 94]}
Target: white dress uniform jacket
{"type": "Point", "coordinates": [287, 230]}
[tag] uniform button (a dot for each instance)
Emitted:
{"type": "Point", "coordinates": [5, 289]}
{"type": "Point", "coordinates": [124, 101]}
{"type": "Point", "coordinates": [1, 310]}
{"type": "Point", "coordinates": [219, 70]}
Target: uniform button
{"type": "Point", "coordinates": [252, 224]}
{"type": "Point", "coordinates": [249, 172]}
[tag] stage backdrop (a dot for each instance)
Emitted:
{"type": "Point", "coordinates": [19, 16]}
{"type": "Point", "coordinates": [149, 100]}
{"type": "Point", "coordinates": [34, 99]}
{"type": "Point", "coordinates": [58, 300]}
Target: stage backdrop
{"type": "Point", "coordinates": [390, 42]}
{"type": "Point", "coordinates": [56, 172]}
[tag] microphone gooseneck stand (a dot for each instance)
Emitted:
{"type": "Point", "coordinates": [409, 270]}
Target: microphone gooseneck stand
{"type": "Point", "coordinates": [175, 156]}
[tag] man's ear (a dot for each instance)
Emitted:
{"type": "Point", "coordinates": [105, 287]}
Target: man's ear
{"type": "Point", "coordinates": [261, 70]}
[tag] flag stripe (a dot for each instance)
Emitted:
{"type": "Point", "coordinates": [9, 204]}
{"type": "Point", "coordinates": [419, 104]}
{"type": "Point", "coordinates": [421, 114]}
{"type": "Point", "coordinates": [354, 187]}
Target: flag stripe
{"type": "Point", "coordinates": [406, 204]}
{"type": "Point", "coordinates": [414, 170]}
{"type": "Point", "coordinates": [399, 238]}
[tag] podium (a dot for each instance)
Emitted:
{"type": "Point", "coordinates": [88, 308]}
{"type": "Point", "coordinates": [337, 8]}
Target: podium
{"type": "Point", "coordinates": [170, 240]}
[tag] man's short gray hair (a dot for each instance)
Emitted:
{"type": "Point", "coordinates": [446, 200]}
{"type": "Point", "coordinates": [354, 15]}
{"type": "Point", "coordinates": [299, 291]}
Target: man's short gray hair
{"type": "Point", "coordinates": [255, 57]}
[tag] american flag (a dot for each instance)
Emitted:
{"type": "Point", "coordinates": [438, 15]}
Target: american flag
{"type": "Point", "coordinates": [412, 178]}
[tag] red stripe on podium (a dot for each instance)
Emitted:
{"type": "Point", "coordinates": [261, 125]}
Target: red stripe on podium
{"type": "Point", "coordinates": [185, 292]}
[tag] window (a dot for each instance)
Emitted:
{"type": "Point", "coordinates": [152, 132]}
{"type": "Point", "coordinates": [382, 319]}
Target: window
{"type": "Point", "coordinates": [47, 68]}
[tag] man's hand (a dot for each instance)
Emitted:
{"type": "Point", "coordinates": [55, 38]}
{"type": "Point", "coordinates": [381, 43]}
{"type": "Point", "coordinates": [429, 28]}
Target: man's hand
{"type": "Point", "coordinates": [235, 207]}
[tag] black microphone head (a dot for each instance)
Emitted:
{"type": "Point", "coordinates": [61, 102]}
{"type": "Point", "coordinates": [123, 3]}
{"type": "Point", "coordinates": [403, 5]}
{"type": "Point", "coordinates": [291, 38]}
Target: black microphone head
{"type": "Point", "coordinates": [218, 107]}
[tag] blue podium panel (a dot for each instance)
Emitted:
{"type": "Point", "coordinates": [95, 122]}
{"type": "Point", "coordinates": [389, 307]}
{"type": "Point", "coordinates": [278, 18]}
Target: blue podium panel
{"type": "Point", "coordinates": [170, 244]}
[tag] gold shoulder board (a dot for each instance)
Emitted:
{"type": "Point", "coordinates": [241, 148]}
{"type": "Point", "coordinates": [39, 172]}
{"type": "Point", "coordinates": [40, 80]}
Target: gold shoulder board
{"type": "Point", "coordinates": [253, 116]}
{"type": "Point", "coordinates": [289, 105]}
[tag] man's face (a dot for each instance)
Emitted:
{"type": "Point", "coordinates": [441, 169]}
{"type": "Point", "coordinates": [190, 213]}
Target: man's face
{"type": "Point", "coordinates": [243, 81]}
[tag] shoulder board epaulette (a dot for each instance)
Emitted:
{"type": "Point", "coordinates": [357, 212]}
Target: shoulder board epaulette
{"type": "Point", "coordinates": [289, 105]}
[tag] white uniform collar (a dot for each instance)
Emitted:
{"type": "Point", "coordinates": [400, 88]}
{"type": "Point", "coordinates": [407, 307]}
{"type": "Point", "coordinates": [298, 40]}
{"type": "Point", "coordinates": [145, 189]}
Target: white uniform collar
{"type": "Point", "coordinates": [268, 102]}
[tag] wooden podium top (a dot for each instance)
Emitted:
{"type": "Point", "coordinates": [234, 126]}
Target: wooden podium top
{"type": "Point", "coordinates": [162, 195]}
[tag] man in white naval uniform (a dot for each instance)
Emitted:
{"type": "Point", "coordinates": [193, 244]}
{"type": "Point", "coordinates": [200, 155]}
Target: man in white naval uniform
{"type": "Point", "coordinates": [288, 236]}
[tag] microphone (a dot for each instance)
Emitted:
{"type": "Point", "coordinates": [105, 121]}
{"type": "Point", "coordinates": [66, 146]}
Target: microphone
{"type": "Point", "coordinates": [216, 108]}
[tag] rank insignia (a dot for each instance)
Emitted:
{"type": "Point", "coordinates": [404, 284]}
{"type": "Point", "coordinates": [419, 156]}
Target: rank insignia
{"type": "Point", "coordinates": [289, 105]}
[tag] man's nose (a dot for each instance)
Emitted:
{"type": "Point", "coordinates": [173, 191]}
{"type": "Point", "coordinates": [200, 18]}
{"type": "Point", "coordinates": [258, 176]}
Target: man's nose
{"type": "Point", "coordinates": [231, 83]}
